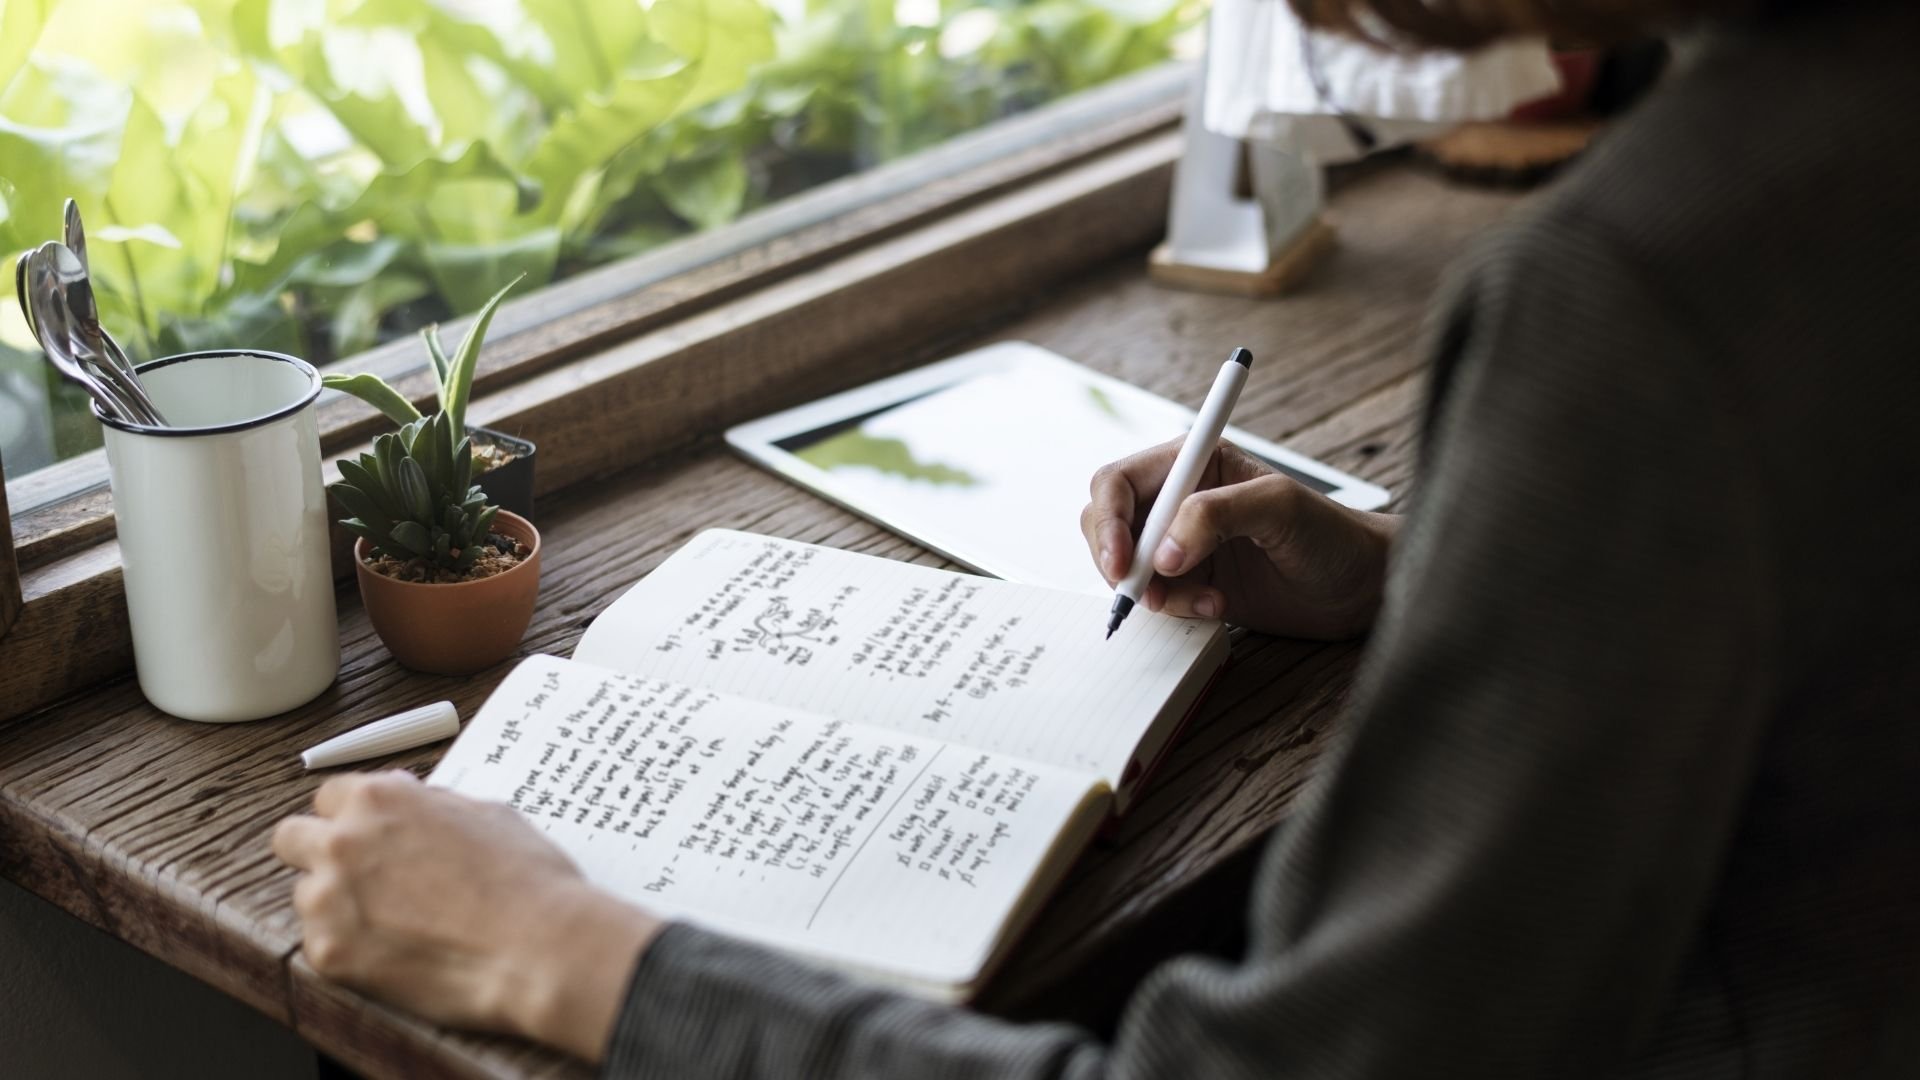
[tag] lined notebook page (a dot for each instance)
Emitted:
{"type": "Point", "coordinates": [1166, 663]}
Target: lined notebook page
{"type": "Point", "coordinates": [991, 664]}
{"type": "Point", "coordinates": [869, 847]}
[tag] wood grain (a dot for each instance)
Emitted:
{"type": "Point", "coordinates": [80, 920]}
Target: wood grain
{"type": "Point", "coordinates": [72, 630]}
{"type": "Point", "coordinates": [67, 525]}
{"type": "Point", "coordinates": [156, 830]}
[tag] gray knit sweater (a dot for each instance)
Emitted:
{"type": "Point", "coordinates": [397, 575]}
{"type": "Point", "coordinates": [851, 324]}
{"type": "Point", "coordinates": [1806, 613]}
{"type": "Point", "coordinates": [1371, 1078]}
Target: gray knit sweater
{"type": "Point", "coordinates": [1631, 786]}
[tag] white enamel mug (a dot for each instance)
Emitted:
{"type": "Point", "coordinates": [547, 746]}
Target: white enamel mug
{"type": "Point", "coordinates": [223, 536]}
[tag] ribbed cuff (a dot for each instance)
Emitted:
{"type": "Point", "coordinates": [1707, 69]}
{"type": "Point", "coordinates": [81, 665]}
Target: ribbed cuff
{"type": "Point", "coordinates": [700, 1004]}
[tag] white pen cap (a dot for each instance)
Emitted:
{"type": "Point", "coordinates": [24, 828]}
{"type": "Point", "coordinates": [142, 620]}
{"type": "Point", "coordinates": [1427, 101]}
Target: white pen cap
{"type": "Point", "coordinates": [415, 727]}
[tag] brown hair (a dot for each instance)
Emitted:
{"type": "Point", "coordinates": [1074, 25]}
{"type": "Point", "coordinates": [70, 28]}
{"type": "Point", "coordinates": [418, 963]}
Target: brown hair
{"type": "Point", "coordinates": [1463, 24]}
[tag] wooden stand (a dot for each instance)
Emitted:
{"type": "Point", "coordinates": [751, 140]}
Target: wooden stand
{"type": "Point", "coordinates": [1287, 269]}
{"type": "Point", "coordinates": [1509, 152]}
{"type": "Point", "coordinates": [1245, 217]}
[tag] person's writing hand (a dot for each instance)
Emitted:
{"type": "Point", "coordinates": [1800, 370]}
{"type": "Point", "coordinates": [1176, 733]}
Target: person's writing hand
{"type": "Point", "coordinates": [1250, 546]}
{"type": "Point", "coordinates": [459, 911]}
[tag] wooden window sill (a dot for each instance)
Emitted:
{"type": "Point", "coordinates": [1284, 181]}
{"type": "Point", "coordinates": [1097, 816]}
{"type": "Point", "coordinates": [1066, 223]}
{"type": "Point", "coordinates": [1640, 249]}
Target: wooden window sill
{"type": "Point", "coordinates": [606, 384]}
{"type": "Point", "coordinates": [61, 508]}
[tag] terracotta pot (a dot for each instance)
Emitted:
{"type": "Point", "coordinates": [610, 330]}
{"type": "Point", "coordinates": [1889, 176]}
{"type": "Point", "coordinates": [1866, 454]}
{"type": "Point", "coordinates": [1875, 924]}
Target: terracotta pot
{"type": "Point", "coordinates": [454, 629]}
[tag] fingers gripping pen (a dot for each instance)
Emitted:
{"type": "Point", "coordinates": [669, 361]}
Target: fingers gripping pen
{"type": "Point", "coordinates": [1184, 477]}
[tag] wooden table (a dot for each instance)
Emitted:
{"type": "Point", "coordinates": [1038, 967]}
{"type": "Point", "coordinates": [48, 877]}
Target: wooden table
{"type": "Point", "coordinates": [155, 830]}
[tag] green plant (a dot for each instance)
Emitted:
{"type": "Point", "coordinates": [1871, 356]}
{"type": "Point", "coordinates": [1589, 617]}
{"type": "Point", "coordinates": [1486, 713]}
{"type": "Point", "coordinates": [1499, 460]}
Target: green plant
{"type": "Point", "coordinates": [317, 176]}
{"type": "Point", "coordinates": [452, 375]}
{"type": "Point", "coordinates": [314, 176]}
{"type": "Point", "coordinates": [414, 497]}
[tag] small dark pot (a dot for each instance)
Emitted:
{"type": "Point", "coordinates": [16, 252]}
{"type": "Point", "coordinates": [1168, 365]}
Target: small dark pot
{"type": "Point", "coordinates": [508, 486]}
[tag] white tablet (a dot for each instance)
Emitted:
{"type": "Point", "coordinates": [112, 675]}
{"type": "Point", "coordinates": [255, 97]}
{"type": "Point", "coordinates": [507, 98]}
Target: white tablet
{"type": "Point", "coordinates": [985, 458]}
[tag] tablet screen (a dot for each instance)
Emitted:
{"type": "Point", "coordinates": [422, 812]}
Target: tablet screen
{"type": "Point", "coordinates": [1009, 450]}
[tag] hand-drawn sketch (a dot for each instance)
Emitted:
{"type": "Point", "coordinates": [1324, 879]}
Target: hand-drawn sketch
{"type": "Point", "coordinates": [780, 630]}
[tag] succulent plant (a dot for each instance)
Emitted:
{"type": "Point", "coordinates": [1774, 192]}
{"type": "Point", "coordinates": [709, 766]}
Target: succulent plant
{"type": "Point", "coordinates": [452, 374]}
{"type": "Point", "coordinates": [413, 496]}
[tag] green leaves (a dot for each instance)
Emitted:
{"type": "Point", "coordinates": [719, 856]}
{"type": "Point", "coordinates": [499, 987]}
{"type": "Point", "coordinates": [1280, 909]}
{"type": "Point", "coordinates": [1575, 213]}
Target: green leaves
{"type": "Point", "coordinates": [374, 390]}
{"type": "Point", "coordinates": [20, 24]}
{"type": "Point", "coordinates": [502, 173]}
{"type": "Point", "coordinates": [722, 39]}
{"type": "Point", "coordinates": [316, 175]}
{"type": "Point", "coordinates": [593, 43]}
{"type": "Point", "coordinates": [708, 192]}
{"type": "Point", "coordinates": [458, 383]}
{"type": "Point", "coordinates": [412, 537]}
{"type": "Point", "coordinates": [412, 498]}
{"type": "Point", "coordinates": [59, 133]}
{"type": "Point", "coordinates": [414, 493]}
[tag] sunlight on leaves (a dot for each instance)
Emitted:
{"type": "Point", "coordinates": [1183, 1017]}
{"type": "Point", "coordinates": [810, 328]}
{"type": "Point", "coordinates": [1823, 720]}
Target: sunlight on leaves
{"type": "Point", "coordinates": [20, 23]}
{"type": "Point", "coordinates": [322, 175]}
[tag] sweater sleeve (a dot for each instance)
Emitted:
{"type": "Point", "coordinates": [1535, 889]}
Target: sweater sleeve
{"type": "Point", "coordinates": [1506, 861]}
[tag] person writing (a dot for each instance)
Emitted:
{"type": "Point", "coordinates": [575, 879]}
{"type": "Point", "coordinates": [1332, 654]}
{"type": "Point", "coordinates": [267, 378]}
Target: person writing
{"type": "Point", "coordinates": [1628, 784]}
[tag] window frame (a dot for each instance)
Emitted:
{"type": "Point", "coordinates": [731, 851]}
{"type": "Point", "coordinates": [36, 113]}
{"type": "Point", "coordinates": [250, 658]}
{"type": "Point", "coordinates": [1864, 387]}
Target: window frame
{"type": "Point", "coordinates": [65, 506]}
{"type": "Point", "coordinates": [966, 229]}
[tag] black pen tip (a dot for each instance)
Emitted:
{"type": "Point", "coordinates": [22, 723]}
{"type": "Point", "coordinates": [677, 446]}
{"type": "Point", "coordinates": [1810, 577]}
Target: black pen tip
{"type": "Point", "coordinates": [1121, 606]}
{"type": "Point", "coordinates": [1242, 357]}
{"type": "Point", "coordinates": [1110, 631]}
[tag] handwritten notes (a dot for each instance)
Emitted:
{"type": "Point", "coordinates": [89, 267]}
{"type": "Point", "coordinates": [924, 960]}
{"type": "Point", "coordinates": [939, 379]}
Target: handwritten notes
{"type": "Point", "coordinates": [772, 822]}
{"type": "Point", "coordinates": [853, 758]}
{"type": "Point", "coordinates": [990, 664]}
{"type": "Point", "coordinates": [752, 611]}
{"type": "Point", "coordinates": [956, 823]}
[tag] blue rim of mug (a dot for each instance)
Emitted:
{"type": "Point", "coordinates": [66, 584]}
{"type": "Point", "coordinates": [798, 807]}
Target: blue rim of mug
{"type": "Point", "coordinates": [281, 413]}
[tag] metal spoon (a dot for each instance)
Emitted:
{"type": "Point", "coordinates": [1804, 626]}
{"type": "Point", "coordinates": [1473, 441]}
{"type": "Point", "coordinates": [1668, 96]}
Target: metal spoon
{"type": "Point", "coordinates": [50, 329]}
{"type": "Point", "coordinates": [81, 298]}
{"type": "Point", "coordinates": [49, 316]}
{"type": "Point", "coordinates": [76, 293]}
{"type": "Point", "coordinates": [76, 236]}
{"type": "Point", "coordinates": [88, 340]}
{"type": "Point", "coordinates": [20, 290]}
{"type": "Point", "coordinates": [135, 405]}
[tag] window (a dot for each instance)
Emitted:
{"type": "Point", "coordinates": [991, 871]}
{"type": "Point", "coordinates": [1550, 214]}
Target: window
{"type": "Point", "coordinates": [320, 176]}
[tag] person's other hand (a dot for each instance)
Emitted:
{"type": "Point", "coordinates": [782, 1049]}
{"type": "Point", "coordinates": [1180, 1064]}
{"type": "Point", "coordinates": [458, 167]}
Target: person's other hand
{"type": "Point", "coordinates": [1250, 546]}
{"type": "Point", "coordinates": [459, 911]}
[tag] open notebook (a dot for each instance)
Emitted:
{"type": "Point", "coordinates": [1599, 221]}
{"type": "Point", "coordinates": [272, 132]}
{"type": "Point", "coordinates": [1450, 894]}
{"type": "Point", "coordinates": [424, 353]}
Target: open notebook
{"type": "Point", "coordinates": [881, 766]}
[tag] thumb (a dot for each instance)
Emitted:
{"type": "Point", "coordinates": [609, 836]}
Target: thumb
{"type": "Point", "coordinates": [1256, 509]}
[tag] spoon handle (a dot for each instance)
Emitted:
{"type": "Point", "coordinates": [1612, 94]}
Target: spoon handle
{"type": "Point", "coordinates": [139, 392]}
{"type": "Point", "coordinates": [124, 362]}
{"type": "Point", "coordinates": [124, 408]}
{"type": "Point", "coordinates": [136, 405]}
{"type": "Point", "coordinates": [20, 290]}
{"type": "Point", "coordinates": [108, 398]}
{"type": "Point", "coordinates": [56, 340]}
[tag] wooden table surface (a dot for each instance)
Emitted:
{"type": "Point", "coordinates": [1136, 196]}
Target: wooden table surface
{"type": "Point", "coordinates": [156, 830]}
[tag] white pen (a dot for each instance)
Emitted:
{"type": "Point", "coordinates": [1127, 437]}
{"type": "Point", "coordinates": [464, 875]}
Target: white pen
{"type": "Point", "coordinates": [415, 727]}
{"type": "Point", "coordinates": [1181, 480]}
